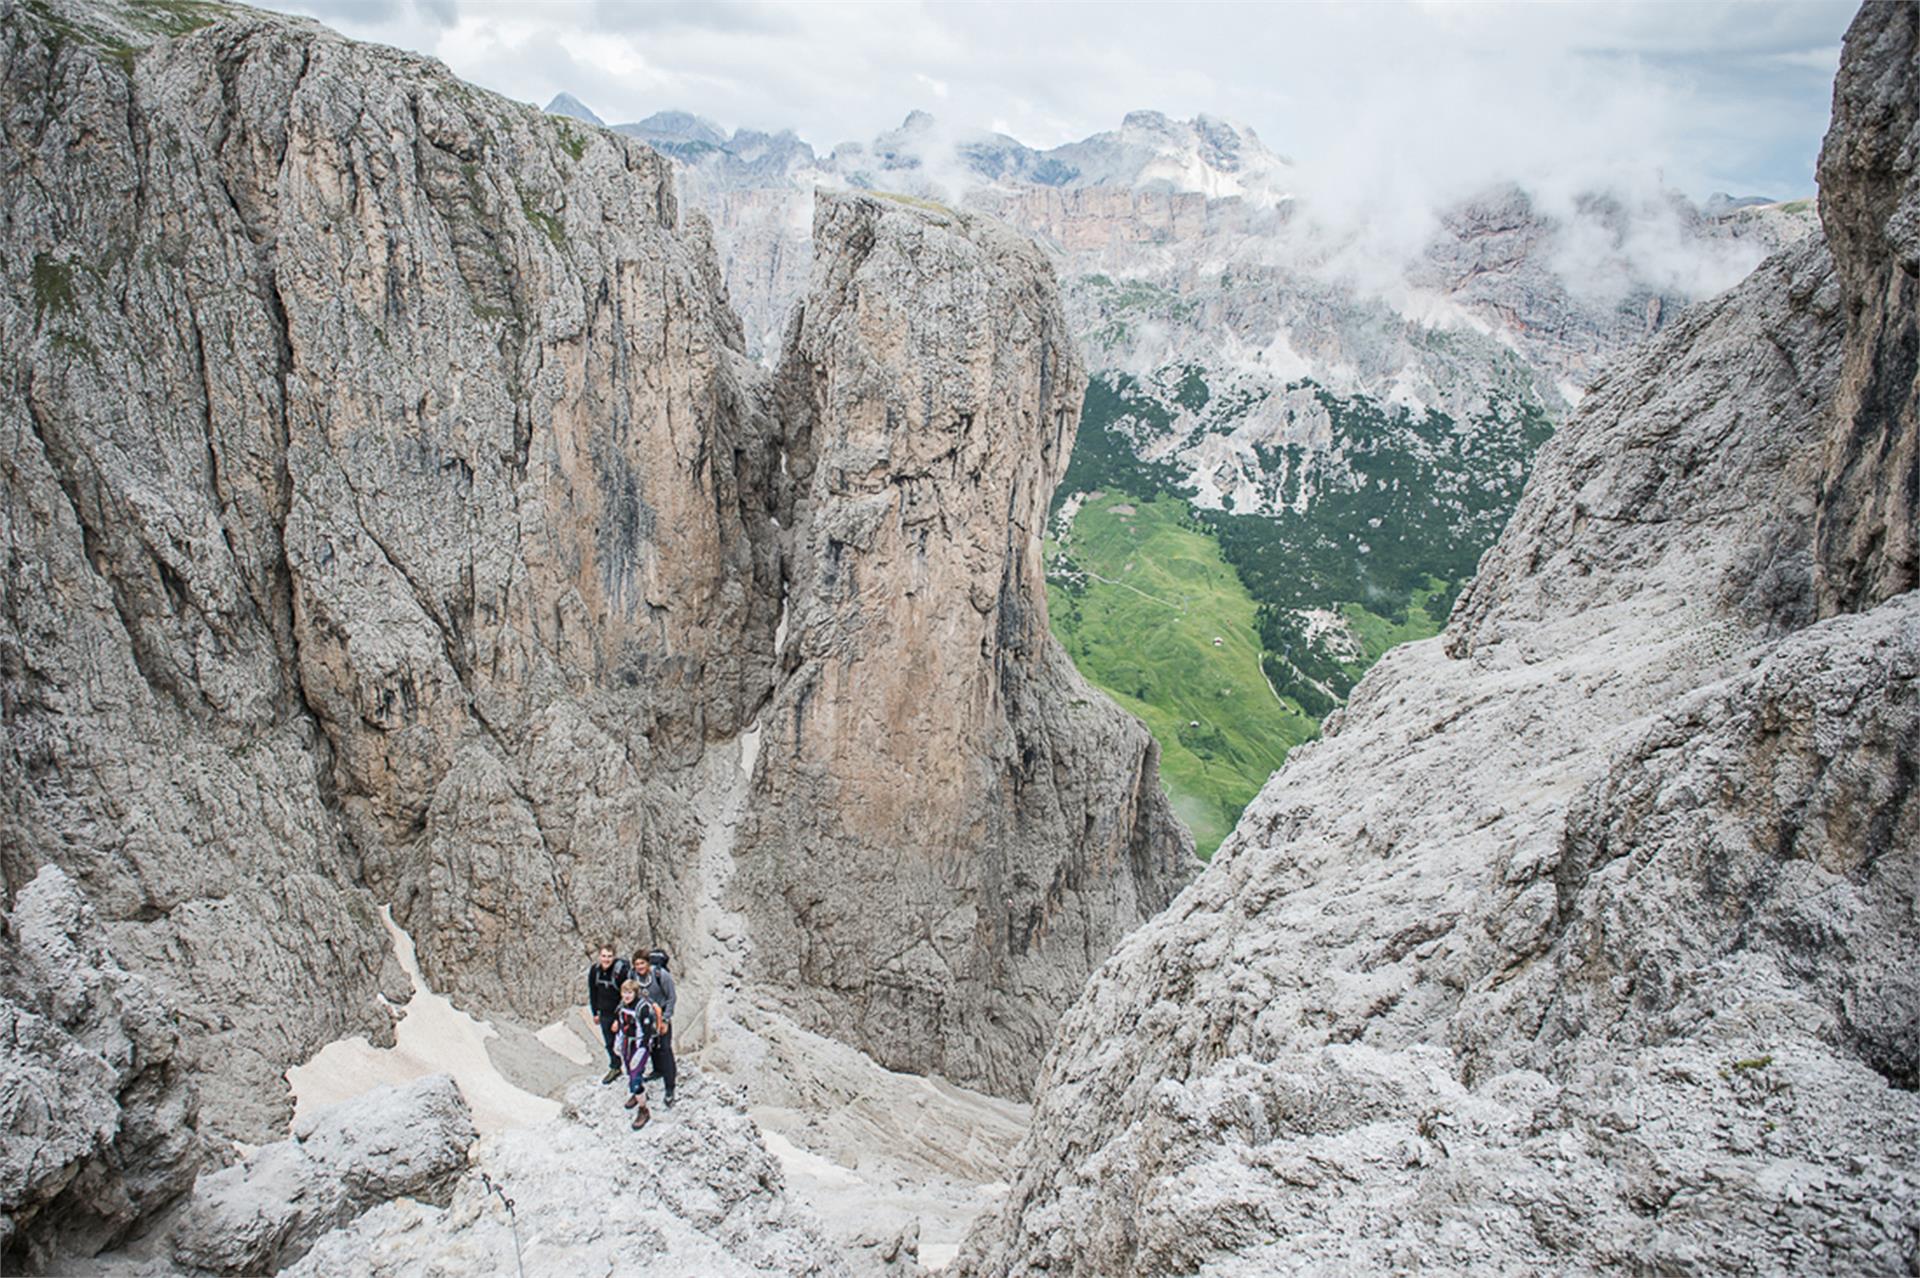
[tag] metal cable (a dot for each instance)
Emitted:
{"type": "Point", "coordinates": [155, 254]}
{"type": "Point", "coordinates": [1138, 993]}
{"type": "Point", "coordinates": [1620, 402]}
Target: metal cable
{"type": "Point", "coordinates": [512, 1222]}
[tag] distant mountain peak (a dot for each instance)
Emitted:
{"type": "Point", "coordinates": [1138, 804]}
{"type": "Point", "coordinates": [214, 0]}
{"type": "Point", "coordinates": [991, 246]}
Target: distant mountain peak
{"type": "Point", "coordinates": [1720, 203]}
{"type": "Point", "coordinates": [573, 108]}
{"type": "Point", "coordinates": [676, 126]}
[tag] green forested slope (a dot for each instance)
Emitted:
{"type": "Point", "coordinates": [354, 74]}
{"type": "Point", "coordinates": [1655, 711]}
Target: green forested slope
{"type": "Point", "coordinates": [1139, 594]}
{"type": "Point", "coordinates": [1360, 551]}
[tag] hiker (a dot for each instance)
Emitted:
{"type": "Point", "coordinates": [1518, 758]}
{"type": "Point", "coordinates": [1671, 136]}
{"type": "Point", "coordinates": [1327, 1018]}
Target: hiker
{"type": "Point", "coordinates": [656, 986]}
{"type": "Point", "coordinates": [634, 1021]}
{"type": "Point", "coordinates": [604, 980]}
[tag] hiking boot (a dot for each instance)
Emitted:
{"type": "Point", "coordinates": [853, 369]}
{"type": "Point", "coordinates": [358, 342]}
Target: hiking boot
{"type": "Point", "coordinates": [633, 1100]}
{"type": "Point", "coordinates": [669, 1100]}
{"type": "Point", "coordinates": [611, 1075]}
{"type": "Point", "coordinates": [640, 1117]}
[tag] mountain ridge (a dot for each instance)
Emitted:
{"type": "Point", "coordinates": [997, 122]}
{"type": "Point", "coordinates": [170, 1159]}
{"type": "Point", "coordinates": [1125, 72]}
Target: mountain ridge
{"type": "Point", "coordinates": [396, 520]}
{"type": "Point", "coordinates": [1580, 939]}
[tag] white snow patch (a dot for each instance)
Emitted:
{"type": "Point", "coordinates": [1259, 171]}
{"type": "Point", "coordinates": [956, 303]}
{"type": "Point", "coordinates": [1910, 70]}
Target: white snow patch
{"type": "Point", "coordinates": [806, 1166]}
{"type": "Point", "coordinates": [1280, 360]}
{"type": "Point", "coordinates": [561, 1037]}
{"type": "Point", "coordinates": [937, 1256]}
{"type": "Point", "coordinates": [433, 1037]}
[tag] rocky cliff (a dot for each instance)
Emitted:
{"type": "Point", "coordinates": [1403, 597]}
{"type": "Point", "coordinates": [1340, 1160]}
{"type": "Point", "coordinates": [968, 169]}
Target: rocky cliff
{"type": "Point", "coordinates": [393, 516]}
{"type": "Point", "coordinates": [948, 827]}
{"type": "Point", "coordinates": [1868, 527]}
{"type": "Point", "coordinates": [389, 522]}
{"type": "Point", "coordinates": [1582, 940]}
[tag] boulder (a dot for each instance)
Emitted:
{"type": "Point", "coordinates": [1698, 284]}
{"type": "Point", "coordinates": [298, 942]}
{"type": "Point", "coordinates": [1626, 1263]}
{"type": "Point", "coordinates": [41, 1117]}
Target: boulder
{"type": "Point", "coordinates": [264, 1213]}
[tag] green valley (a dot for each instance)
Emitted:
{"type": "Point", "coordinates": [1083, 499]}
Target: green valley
{"type": "Point", "coordinates": [1153, 615]}
{"type": "Point", "coordinates": [1358, 546]}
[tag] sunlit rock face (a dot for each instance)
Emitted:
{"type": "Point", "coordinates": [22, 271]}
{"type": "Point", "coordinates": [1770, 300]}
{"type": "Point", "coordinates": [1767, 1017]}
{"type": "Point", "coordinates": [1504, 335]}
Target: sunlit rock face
{"type": "Point", "coordinates": [949, 828]}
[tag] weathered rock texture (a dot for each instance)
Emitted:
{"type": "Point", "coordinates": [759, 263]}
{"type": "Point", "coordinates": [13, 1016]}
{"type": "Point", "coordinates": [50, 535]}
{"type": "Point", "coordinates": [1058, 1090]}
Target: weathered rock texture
{"type": "Point", "coordinates": [948, 830]}
{"type": "Point", "coordinates": [376, 474]}
{"type": "Point", "coordinates": [391, 515]}
{"type": "Point", "coordinates": [96, 1110]}
{"type": "Point", "coordinates": [695, 1192]}
{"type": "Point", "coordinates": [258, 1216]}
{"type": "Point", "coordinates": [1869, 519]}
{"type": "Point", "coordinates": [1583, 940]}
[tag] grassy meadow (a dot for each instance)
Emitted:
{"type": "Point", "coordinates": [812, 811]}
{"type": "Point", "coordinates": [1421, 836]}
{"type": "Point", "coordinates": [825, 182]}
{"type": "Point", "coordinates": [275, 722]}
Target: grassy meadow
{"type": "Point", "coordinates": [1138, 594]}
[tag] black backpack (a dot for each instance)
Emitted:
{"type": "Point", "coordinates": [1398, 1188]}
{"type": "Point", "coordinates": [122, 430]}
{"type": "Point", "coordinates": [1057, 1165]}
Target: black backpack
{"type": "Point", "coordinates": [658, 958]}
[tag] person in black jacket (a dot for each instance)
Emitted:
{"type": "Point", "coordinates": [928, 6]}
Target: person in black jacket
{"type": "Point", "coordinates": [604, 980]}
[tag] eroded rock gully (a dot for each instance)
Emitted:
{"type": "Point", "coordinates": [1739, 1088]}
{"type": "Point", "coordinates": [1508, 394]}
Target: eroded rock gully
{"type": "Point", "coordinates": [392, 516]}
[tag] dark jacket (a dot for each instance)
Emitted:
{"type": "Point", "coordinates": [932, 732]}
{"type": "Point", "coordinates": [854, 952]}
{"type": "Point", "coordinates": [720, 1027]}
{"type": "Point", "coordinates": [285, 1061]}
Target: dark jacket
{"type": "Point", "coordinates": [635, 1023]}
{"type": "Point", "coordinates": [603, 987]}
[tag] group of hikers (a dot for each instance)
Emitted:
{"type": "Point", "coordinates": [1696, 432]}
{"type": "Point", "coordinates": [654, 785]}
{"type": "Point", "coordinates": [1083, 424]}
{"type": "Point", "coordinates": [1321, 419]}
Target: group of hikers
{"type": "Point", "coordinates": [632, 1002]}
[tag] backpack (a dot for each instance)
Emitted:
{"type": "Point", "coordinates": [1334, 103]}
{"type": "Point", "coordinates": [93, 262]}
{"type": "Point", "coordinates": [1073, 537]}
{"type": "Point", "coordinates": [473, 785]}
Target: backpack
{"type": "Point", "coordinates": [658, 958]}
{"type": "Point", "coordinates": [636, 1022]}
{"type": "Point", "coordinates": [612, 978]}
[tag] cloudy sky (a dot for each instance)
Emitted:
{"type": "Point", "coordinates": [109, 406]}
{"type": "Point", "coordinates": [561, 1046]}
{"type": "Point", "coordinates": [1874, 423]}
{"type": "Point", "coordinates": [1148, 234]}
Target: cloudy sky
{"type": "Point", "coordinates": [1380, 101]}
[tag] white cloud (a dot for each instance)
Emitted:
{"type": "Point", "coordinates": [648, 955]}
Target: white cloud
{"type": "Point", "coordinates": [1392, 105]}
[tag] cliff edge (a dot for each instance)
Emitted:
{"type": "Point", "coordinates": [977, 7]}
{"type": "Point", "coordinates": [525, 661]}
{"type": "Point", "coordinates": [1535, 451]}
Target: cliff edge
{"type": "Point", "coordinates": [1583, 940]}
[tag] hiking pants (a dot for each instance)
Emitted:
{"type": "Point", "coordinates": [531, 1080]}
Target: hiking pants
{"type": "Point", "coordinates": [637, 1072]}
{"type": "Point", "coordinates": [606, 1035]}
{"type": "Point", "coordinates": [663, 1067]}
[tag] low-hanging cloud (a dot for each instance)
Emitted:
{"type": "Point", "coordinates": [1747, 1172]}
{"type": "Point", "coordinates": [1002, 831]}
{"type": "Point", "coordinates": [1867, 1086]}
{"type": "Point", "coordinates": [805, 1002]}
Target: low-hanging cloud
{"type": "Point", "coordinates": [1393, 114]}
{"type": "Point", "coordinates": [1404, 105]}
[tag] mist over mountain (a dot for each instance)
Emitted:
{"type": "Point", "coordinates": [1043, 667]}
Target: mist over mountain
{"type": "Point", "coordinates": [1339, 399]}
{"type": "Point", "coordinates": [1163, 702]}
{"type": "Point", "coordinates": [1603, 248]}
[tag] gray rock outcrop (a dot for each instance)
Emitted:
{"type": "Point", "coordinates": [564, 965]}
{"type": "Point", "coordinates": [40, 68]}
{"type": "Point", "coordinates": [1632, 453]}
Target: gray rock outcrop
{"type": "Point", "coordinates": [949, 829]}
{"type": "Point", "coordinates": [1868, 526]}
{"type": "Point", "coordinates": [694, 1192]}
{"type": "Point", "coordinates": [1582, 942]}
{"type": "Point", "coordinates": [393, 516]}
{"type": "Point", "coordinates": [262, 1214]}
{"type": "Point", "coordinates": [96, 1108]}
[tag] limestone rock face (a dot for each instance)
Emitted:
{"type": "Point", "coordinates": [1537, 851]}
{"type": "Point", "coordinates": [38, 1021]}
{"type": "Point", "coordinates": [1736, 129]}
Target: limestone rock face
{"type": "Point", "coordinates": [260, 1215]}
{"type": "Point", "coordinates": [377, 456]}
{"type": "Point", "coordinates": [1670, 491]}
{"type": "Point", "coordinates": [1869, 528]}
{"type": "Point", "coordinates": [157, 744]}
{"type": "Point", "coordinates": [392, 516]}
{"type": "Point", "coordinates": [96, 1109]}
{"type": "Point", "coordinates": [948, 828]}
{"type": "Point", "coordinates": [695, 1192]}
{"type": "Point", "coordinates": [1581, 942]}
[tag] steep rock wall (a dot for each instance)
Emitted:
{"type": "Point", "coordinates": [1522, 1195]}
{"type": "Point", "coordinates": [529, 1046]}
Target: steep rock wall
{"type": "Point", "coordinates": [158, 745]}
{"type": "Point", "coordinates": [949, 828]}
{"type": "Point", "coordinates": [392, 516]}
{"type": "Point", "coordinates": [1869, 518]}
{"type": "Point", "coordinates": [1580, 941]}
{"type": "Point", "coordinates": [379, 464]}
